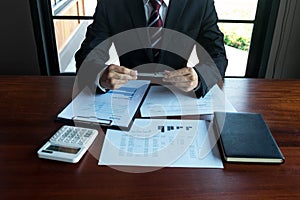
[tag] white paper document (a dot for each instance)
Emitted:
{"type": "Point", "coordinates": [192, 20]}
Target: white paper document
{"type": "Point", "coordinates": [116, 107]}
{"type": "Point", "coordinates": [160, 143]}
{"type": "Point", "coordinates": [168, 101]}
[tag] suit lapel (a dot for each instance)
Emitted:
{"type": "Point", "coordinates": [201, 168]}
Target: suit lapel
{"type": "Point", "coordinates": [137, 12]}
{"type": "Point", "coordinates": [175, 11]}
{"type": "Point", "coordinates": [138, 18]}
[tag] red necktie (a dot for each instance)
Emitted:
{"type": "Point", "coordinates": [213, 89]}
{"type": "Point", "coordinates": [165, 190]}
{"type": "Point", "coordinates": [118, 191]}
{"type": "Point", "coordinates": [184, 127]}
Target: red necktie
{"type": "Point", "coordinates": [155, 21]}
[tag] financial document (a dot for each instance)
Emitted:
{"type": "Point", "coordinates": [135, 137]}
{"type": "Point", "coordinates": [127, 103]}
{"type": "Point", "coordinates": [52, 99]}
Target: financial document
{"type": "Point", "coordinates": [115, 108]}
{"type": "Point", "coordinates": [169, 101]}
{"type": "Point", "coordinates": [160, 143]}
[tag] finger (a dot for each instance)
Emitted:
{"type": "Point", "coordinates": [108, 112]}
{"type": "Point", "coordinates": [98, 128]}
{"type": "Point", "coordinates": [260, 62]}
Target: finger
{"type": "Point", "coordinates": [175, 79]}
{"type": "Point", "coordinates": [120, 72]}
{"type": "Point", "coordinates": [123, 70]}
{"type": "Point", "coordinates": [114, 84]}
{"type": "Point", "coordinates": [181, 79]}
{"type": "Point", "coordinates": [111, 79]}
{"type": "Point", "coordinates": [118, 76]}
{"type": "Point", "coordinates": [180, 72]}
{"type": "Point", "coordinates": [185, 79]}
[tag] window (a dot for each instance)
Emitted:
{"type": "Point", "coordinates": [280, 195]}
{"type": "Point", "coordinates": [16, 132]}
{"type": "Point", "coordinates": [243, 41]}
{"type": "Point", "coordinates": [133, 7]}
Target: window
{"type": "Point", "coordinates": [70, 19]}
{"type": "Point", "coordinates": [247, 25]}
{"type": "Point", "coordinates": [236, 22]}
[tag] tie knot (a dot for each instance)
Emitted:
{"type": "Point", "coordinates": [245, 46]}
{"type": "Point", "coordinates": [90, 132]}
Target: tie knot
{"type": "Point", "coordinates": [156, 4]}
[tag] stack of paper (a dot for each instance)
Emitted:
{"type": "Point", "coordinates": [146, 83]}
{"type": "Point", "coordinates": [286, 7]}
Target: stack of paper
{"type": "Point", "coordinates": [169, 101]}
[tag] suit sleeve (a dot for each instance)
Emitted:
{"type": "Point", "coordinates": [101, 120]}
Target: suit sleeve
{"type": "Point", "coordinates": [211, 39]}
{"type": "Point", "coordinates": [94, 51]}
{"type": "Point", "coordinates": [94, 48]}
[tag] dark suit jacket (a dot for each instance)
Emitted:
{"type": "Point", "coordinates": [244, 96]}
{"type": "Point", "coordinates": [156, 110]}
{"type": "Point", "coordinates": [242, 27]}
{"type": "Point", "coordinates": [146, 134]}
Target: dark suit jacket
{"type": "Point", "coordinates": [195, 18]}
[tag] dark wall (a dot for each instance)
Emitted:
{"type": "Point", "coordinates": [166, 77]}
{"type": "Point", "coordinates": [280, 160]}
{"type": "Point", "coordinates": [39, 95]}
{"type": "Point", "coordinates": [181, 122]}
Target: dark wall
{"type": "Point", "coordinates": [18, 53]}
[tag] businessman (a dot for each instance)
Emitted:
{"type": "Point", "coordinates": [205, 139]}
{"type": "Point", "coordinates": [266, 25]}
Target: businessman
{"type": "Point", "coordinates": [197, 19]}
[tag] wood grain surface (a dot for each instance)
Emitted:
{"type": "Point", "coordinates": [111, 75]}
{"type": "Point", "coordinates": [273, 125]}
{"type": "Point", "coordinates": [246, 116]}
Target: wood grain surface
{"type": "Point", "coordinates": [29, 105]}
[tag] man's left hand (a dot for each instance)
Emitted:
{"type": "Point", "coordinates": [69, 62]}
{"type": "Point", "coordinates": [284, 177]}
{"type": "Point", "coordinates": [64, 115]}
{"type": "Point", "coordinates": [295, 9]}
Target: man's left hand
{"type": "Point", "coordinates": [186, 79]}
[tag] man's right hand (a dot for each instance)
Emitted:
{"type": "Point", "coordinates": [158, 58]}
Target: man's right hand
{"type": "Point", "coordinates": [115, 76]}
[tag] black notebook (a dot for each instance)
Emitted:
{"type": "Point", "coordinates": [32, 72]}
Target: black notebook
{"type": "Point", "coordinates": [245, 137]}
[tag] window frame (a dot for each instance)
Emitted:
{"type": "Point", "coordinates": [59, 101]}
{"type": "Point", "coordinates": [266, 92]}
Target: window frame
{"type": "Point", "coordinates": [41, 13]}
{"type": "Point", "coordinates": [259, 51]}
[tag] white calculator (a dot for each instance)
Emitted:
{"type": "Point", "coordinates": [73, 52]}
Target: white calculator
{"type": "Point", "coordinates": [68, 144]}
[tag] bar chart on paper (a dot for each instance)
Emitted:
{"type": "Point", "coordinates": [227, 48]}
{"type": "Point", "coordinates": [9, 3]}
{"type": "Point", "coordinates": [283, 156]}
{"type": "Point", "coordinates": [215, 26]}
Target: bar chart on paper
{"type": "Point", "coordinates": [160, 143]}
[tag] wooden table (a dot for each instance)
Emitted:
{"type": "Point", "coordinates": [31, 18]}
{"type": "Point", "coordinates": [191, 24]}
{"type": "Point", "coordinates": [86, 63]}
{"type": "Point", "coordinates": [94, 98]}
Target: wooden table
{"type": "Point", "coordinates": [29, 106]}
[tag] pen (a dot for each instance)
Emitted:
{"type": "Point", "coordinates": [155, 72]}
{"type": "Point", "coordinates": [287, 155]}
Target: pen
{"type": "Point", "coordinates": [154, 75]}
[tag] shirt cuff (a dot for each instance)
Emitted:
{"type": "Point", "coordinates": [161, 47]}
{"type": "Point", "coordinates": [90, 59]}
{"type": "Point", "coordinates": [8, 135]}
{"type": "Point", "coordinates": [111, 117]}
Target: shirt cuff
{"type": "Point", "coordinates": [198, 86]}
{"type": "Point", "coordinates": [97, 82]}
{"type": "Point", "coordinates": [199, 82]}
{"type": "Point", "coordinates": [201, 89]}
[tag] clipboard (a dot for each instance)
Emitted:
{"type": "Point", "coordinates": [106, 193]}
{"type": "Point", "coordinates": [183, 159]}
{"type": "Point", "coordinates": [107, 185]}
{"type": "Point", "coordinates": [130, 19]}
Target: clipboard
{"type": "Point", "coordinates": [114, 109]}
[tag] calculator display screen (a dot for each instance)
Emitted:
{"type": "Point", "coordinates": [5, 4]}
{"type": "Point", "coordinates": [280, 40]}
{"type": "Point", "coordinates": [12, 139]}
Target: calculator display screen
{"type": "Point", "coordinates": [63, 149]}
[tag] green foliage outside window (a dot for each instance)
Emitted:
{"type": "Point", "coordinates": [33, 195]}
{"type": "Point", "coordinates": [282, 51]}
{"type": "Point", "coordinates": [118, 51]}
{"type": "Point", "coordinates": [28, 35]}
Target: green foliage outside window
{"type": "Point", "coordinates": [237, 35]}
{"type": "Point", "coordinates": [237, 42]}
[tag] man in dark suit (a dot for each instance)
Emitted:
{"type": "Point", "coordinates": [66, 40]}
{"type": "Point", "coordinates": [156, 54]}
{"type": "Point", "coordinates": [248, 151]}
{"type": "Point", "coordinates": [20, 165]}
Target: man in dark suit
{"type": "Point", "coordinates": [197, 19]}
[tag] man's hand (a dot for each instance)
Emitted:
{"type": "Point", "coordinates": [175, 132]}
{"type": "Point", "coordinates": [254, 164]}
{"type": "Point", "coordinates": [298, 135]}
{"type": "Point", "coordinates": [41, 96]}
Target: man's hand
{"type": "Point", "coordinates": [116, 76]}
{"type": "Point", "coordinates": [185, 79]}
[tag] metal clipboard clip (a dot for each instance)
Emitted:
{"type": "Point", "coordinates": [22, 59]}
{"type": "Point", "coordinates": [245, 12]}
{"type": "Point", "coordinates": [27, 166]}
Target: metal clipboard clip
{"type": "Point", "coordinates": [92, 120]}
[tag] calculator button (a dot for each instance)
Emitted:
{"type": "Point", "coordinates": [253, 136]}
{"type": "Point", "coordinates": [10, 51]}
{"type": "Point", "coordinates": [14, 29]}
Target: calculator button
{"type": "Point", "coordinates": [72, 135]}
{"type": "Point", "coordinates": [88, 134]}
{"type": "Point", "coordinates": [67, 140]}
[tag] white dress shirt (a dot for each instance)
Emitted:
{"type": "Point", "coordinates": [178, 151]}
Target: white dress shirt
{"type": "Point", "coordinates": [162, 11]}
